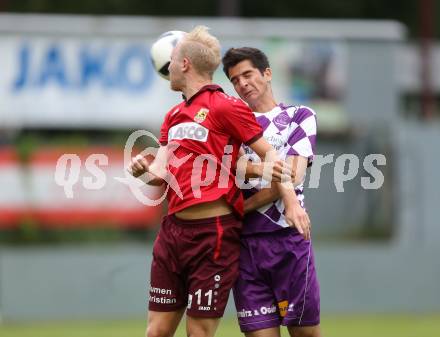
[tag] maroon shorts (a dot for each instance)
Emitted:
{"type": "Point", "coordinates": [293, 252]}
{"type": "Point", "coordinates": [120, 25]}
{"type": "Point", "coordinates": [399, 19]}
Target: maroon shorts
{"type": "Point", "coordinates": [195, 264]}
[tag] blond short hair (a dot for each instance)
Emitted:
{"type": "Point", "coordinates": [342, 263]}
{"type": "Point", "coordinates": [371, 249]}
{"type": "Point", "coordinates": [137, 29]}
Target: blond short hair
{"type": "Point", "coordinates": [202, 49]}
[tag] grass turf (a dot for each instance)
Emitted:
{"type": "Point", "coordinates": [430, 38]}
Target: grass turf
{"type": "Point", "coordinates": [332, 326]}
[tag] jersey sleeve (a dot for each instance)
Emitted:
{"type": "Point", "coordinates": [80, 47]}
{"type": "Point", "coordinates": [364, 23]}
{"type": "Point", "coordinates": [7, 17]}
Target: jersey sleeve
{"type": "Point", "coordinates": [302, 134]}
{"type": "Point", "coordinates": [238, 120]}
{"type": "Point", "coordinates": [163, 139]}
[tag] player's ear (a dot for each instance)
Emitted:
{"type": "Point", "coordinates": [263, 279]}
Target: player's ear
{"type": "Point", "coordinates": [268, 74]}
{"type": "Point", "coordinates": [185, 64]}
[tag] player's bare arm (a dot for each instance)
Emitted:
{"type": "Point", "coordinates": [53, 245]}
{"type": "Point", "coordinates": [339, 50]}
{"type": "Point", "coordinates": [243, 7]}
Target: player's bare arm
{"type": "Point", "coordinates": [268, 155]}
{"type": "Point", "coordinates": [295, 213]}
{"type": "Point", "coordinates": [275, 174]}
{"type": "Point", "coordinates": [159, 166]}
{"type": "Point", "coordinates": [256, 170]}
{"type": "Point", "coordinates": [267, 195]}
{"type": "Point", "coordinates": [261, 198]}
{"type": "Point", "coordinates": [154, 171]}
{"type": "Point", "coordinates": [271, 168]}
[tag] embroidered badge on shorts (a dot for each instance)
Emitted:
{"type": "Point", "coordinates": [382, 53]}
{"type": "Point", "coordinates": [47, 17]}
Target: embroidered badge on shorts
{"type": "Point", "coordinates": [201, 115]}
{"type": "Point", "coordinates": [283, 307]}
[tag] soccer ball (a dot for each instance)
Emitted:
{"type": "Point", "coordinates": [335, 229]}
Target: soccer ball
{"type": "Point", "coordinates": [161, 49]}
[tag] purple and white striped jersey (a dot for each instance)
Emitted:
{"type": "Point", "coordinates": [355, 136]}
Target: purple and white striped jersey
{"type": "Point", "coordinates": [291, 130]}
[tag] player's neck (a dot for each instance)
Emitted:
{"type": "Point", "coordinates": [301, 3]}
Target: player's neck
{"type": "Point", "coordinates": [193, 86]}
{"type": "Point", "coordinates": [263, 105]}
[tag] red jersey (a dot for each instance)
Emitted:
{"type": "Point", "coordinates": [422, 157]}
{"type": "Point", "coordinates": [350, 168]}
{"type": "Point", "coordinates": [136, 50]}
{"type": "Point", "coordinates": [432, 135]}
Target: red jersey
{"type": "Point", "coordinates": [207, 131]}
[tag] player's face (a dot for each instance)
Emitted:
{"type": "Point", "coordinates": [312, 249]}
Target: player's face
{"type": "Point", "coordinates": [175, 69]}
{"type": "Point", "coordinates": [249, 83]}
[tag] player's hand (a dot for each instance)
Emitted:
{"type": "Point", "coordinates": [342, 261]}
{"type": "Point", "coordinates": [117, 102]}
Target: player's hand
{"type": "Point", "coordinates": [279, 171]}
{"type": "Point", "coordinates": [138, 166]}
{"type": "Point", "coordinates": [158, 170]}
{"type": "Point", "coordinates": [297, 217]}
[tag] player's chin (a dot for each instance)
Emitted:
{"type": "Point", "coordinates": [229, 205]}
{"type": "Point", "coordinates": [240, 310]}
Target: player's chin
{"type": "Point", "coordinates": [251, 98]}
{"type": "Point", "coordinates": [174, 86]}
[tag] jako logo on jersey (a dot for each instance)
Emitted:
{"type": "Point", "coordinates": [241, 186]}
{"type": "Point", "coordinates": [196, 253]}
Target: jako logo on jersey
{"type": "Point", "coordinates": [201, 115]}
{"type": "Point", "coordinates": [189, 130]}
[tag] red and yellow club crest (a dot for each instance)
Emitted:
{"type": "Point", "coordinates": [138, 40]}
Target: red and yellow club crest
{"type": "Point", "coordinates": [201, 115]}
{"type": "Point", "coordinates": [283, 307]}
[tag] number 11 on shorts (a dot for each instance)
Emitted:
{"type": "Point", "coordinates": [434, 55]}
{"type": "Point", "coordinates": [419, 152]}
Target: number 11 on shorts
{"type": "Point", "coordinates": [199, 298]}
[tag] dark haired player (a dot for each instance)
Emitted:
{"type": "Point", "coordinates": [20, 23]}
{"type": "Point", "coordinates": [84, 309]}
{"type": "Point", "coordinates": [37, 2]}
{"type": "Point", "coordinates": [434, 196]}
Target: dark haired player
{"type": "Point", "coordinates": [277, 283]}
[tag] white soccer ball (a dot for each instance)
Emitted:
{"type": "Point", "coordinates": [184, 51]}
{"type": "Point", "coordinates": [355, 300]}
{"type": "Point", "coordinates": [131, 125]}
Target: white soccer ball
{"type": "Point", "coordinates": [161, 49]}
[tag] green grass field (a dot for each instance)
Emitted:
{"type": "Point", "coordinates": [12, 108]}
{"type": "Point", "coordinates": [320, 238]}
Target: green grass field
{"type": "Point", "coordinates": [333, 326]}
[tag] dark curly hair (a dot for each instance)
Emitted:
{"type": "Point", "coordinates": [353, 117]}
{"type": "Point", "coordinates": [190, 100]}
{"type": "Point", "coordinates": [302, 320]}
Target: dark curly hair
{"type": "Point", "coordinates": [233, 56]}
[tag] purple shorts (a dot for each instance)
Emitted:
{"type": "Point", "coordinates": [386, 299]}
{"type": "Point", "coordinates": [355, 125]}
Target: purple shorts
{"type": "Point", "coordinates": [277, 283]}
